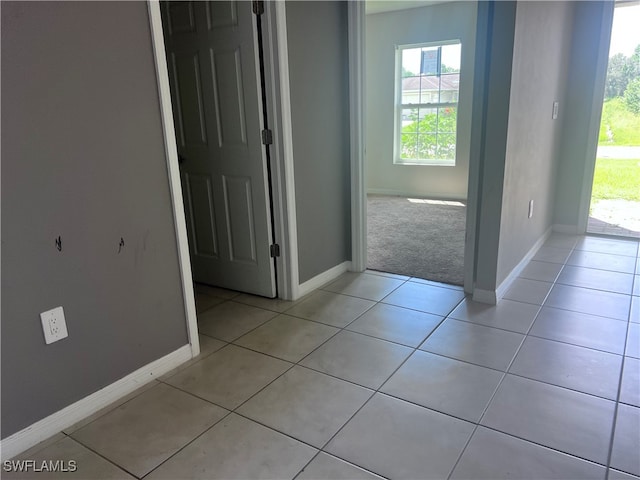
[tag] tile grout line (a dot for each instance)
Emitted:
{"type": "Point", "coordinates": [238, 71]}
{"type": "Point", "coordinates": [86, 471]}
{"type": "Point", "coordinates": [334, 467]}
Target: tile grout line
{"type": "Point", "coordinates": [186, 444]}
{"type": "Point", "coordinates": [504, 376]}
{"type": "Point", "coordinates": [377, 390]}
{"type": "Point", "coordinates": [374, 391]}
{"type": "Point", "coordinates": [234, 411]}
{"type": "Point", "coordinates": [617, 403]}
{"type": "Point", "coordinates": [414, 350]}
{"type": "Point", "coordinates": [120, 467]}
{"type": "Point", "coordinates": [340, 329]}
{"type": "Point", "coordinates": [581, 312]}
{"type": "Point", "coordinates": [486, 407]}
{"type": "Point", "coordinates": [563, 342]}
{"type": "Point", "coordinates": [319, 452]}
{"type": "Point", "coordinates": [344, 328]}
{"type": "Point", "coordinates": [620, 377]}
{"type": "Point", "coordinates": [546, 447]}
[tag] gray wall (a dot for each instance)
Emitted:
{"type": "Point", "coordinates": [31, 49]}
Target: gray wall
{"type": "Point", "coordinates": [319, 77]}
{"type": "Point", "coordinates": [539, 77]}
{"type": "Point", "coordinates": [589, 57]}
{"type": "Point", "coordinates": [418, 25]}
{"type": "Point", "coordinates": [82, 158]}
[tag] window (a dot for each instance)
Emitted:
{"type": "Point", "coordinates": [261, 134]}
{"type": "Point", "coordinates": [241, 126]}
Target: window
{"type": "Point", "coordinates": [427, 88]}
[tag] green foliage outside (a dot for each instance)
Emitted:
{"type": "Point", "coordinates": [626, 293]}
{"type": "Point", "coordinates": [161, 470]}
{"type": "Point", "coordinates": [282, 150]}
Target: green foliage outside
{"type": "Point", "coordinates": [407, 73]}
{"type": "Point", "coordinates": [619, 126]}
{"type": "Point", "coordinates": [620, 123]}
{"type": "Point", "coordinates": [621, 70]}
{"type": "Point", "coordinates": [433, 137]}
{"type": "Point", "coordinates": [632, 96]}
{"type": "Point", "coordinates": [616, 179]}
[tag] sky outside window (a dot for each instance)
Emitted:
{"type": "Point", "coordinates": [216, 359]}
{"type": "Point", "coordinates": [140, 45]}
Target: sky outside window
{"type": "Point", "coordinates": [411, 57]}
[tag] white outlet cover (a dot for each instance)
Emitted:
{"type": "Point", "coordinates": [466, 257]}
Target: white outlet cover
{"type": "Point", "coordinates": [54, 325]}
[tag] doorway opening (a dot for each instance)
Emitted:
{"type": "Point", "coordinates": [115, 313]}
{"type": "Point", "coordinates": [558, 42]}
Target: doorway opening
{"type": "Point", "coordinates": [418, 82]}
{"type": "Point", "coordinates": [615, 197]}
{"type": "Point", "coordinates": [416, 237]}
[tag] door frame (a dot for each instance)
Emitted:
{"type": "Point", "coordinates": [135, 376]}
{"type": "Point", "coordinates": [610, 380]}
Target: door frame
{"type": "Point", "coordinates": [597, 101]}
{"type": "Point", "coordinates": [276, 62]}
{"type": "Point", "coordinates": [357, 27]}
{"type": "Point", "coordinates": [283, 188]}
{"type": "Point", "coordinates": [357, 46]}
{"type": "Point", "coordinates": [175, 188]}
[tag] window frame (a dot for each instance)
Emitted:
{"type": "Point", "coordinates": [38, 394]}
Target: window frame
{"type": "Point", "coordinates": [399, 107]}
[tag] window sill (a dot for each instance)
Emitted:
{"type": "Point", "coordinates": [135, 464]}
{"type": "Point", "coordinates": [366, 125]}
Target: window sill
{"type": "Point", "coordinates": [426, 163]}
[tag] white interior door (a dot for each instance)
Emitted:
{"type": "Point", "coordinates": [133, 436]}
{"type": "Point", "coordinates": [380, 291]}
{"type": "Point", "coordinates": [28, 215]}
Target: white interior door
{"type": "Point", "coordinates": [214, 77]}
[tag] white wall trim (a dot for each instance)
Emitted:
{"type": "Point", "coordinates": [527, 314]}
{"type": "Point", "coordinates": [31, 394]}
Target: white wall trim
{"type": "Point", "coordinates": [476, 145]}
{"type": "Point", "coordinates": [171, 154]}
{"type": "Point", "coordinates": [323, 278]}
{"type": "Point", "coordinates": [517, 270]}
{"type": "Point", "coordinates": [291, 291]}
{"type": "Point", "coordinates": [485, 296]}
{"type": "Point", "coordinates": [602, 61]}
{"type": "Point", "coordinates": [273, 36]}
{"type": "Point", "coordinates": [493, 297]}
{"type": "Point", "coordinates": [45, 428]}
{"type": "Point", "coordinates": [356, 15]}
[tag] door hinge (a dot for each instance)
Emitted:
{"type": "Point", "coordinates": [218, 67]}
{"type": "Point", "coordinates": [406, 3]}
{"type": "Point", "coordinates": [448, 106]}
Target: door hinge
{"type": "Point", "coordinates": [274, 250]}
{"type": "Point", "coordinates": [258, 7]}
{"type": "Point", "coordinates": [267, 137]}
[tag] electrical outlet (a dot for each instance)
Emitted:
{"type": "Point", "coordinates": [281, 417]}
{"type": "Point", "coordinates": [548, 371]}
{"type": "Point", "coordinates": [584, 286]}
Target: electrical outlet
{"type": "Point", "coordinates": [530, 208]}
{"type": "Point", "coordinates": [54, 325]}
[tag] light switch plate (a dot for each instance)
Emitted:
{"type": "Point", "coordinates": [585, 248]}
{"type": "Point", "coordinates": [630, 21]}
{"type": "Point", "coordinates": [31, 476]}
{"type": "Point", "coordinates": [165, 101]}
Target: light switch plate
{"type": "Point", "coordinates": [556, 106]}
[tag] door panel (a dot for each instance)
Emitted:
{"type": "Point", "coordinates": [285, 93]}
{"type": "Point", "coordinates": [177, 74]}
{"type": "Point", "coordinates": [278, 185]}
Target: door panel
{"type": "Point", "coordinates": [190, 111]}
{"type": "Point", "coordinates": [242, 241]}
{"type": "Point", "coordinates": [229, 102]}
{"type": "Point", "coordinates": [180, 18]}
{"type": "Point", "coordinates": [222, 14]}
{"type": "Point", "coordinates": [202, 215]}
{"type": "Point", "coordinates": [211, 48]}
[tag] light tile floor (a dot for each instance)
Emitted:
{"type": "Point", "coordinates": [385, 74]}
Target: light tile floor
{"type": "Point", "coordinates": [381, 375]}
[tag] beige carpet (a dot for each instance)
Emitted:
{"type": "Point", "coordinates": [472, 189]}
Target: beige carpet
{"type": "Point", "coordinates": [416, 237]}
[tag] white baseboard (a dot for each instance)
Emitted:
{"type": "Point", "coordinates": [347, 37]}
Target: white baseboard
{"type": "Point", "coordinates": [325, 277]}
{"type": "Point", "coordinates": [45, 428]}
{"type": "Point", "coordinates": [517, 270]}
{"type": "Point", "coordinates": [567, 229]}
{"type": "Point", "coordinates": [493, 297]}
{"type": "Point", "coordinates": [485, 296]}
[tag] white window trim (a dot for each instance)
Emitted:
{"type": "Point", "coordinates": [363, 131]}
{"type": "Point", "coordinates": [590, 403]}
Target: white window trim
{"type": "Point", "coordinates": [398, 107]}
